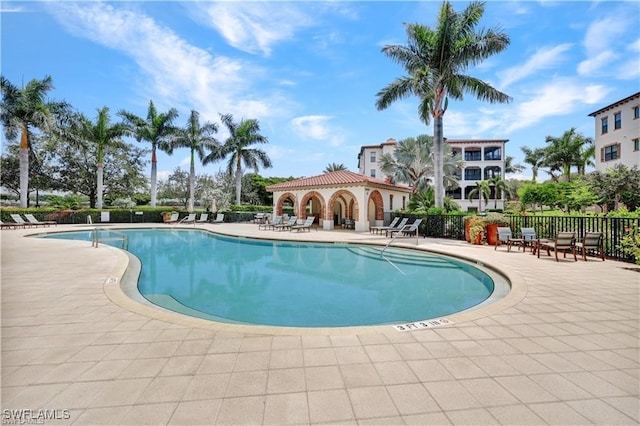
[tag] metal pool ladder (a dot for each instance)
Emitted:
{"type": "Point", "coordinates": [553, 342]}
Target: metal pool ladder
{"type": "Point", "coordinates": [118, 236]}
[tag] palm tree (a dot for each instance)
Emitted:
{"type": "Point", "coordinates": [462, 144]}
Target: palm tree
{"type": "Point", "coordinates": [241, 136]}
{"type": "Point", "coordinates": [334, 167]}
{"type": "Point", "coordinates": [587, 156]}
{"type": "Point", "coordinates": [22, 111]}
{"type": "Point", "coordinates": [412, 163]}
{"type": "Point", "coordinates": [566, 151]}
{"type": "Point", "coordinates": [158, 130]}
{"type": "Point", "coordinates": [101, 133]}
{"type": "Point", "coordinates": [510, 166]}
{"type": "Point", "coordinates": [535, 158]}
{"type": "Point", "coordinates": [435, 61]}
{"type": "Point", "coordinates": [197, 138]}
{"type": "Point", "coordinates": [482, 190]}
{"type": "Point", "coordinates": [499, 186]}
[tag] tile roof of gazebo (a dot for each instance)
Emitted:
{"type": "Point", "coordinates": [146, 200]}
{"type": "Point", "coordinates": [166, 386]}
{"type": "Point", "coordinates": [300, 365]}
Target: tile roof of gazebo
{"type": "Point", "coordinates": [338, 178]}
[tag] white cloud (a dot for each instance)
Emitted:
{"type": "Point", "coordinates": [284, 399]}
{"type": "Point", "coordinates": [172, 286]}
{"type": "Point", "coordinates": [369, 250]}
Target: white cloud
{"type": "Point", "coordinates": [544, 58]}
{"type": "Point", "coordinates": [558, 97]}
{"type": "Point", "coordinates": [601, 42]}
{"type": "Point", "coordinates": [254, 26]}
{"type": "Point", "coordinates": [180, 74]}
{"type": "Point", "coordinates": [317, 127]}
{"type": "Point", "coordinates": [593, 64]}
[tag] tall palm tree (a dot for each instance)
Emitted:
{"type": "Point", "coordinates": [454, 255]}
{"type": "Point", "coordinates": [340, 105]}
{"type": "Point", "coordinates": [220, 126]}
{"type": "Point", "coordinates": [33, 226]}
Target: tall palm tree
{"type": "Point", "coordinates": [197, 138]}
{"type": "Point", "coordinates": [587, 156]}
{"type": "Point", "coordinates": [242, 136]}
{"type": "Point", "coordinates": [499, 186]}
{"type": "Point", "coordinates": [535, 158]}
{"type": "Point", "coordinates": [566, 151]}
{"type": "Point", "coordinates": [510, 166]}
{"type": "Point", "coordinates": [23, 111]}
{"type": "Point", "coordinates": [334, 167]}
{"type": "Point", "coordinates": [482, 190]}
{"type": "Point", "coordinates": [436, 60]}
{"type": "Point", "coordinates": [412, 163]}
{"type": "Point", "coordinates": [101, 133]}
{"type": "Point", "coordinates": [158, 130]}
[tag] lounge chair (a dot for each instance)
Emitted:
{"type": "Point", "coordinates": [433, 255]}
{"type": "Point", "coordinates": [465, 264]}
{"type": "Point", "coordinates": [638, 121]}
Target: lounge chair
{"type": "Point", "coordinates": [306, 226]}
{"type": "Point", "coordinates": [276, 221]}
{"type": "Point", "coordinates": [505, 236]}
{"type": "Point", "coordinates": [401, 225]}
{"type": "Point", "coordinates": [204, 218]}
{"type": "Point", "coordinates": [20, 221]}
{"type": "Point", "coordinates": [219, 218]}
{"type": "Point", "coordinates": [191, 218]}
{"type": "Point", "coordinates": [348, 223]}
{"type": "Point", "coordinates": [173, 219]}
{"type": "Point", "coordinates": [379, 229]}
{"type": "Point", "coordinates": [564, 241]}
{"type": "Point", "coordinates": [529, 238]}
{"type": "Point", "coordinates": [592, 241]}
{"type": "Point", "coordinates": [32, 219]}
{"type": "Point", "coordinates": [408, 230]}
{"type": "Point", "coordinates": [4, 225]}
{"type": "Point", "coordinates": [286, 225]}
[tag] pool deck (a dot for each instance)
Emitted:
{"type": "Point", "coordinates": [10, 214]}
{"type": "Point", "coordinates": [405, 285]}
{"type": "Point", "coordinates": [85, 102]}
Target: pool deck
{"type": "Point", "coordinates": [561, 348]}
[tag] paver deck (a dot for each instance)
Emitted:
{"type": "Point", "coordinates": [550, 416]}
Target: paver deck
{"type": "Point", "coordinates": [562, 348]}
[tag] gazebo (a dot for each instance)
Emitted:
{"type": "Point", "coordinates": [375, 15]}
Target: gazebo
{"type": "Point", "coordinates": [339, 195]}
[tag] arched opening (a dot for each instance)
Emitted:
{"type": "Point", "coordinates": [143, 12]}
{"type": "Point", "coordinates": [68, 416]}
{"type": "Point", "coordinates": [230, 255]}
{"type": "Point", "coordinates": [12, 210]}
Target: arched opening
{"type": "Point", "coordinates": [375, 210]}
{"type": "Point", "coordinates": [312, 204]}
{"type": "Point", "coordinates": [344, 203]}
{"type": "Point", "coordinates": [286, 203]}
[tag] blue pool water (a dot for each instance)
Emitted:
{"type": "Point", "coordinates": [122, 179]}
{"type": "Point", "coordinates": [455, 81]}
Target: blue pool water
{"type": "Point", "coordinates": [240, 280]}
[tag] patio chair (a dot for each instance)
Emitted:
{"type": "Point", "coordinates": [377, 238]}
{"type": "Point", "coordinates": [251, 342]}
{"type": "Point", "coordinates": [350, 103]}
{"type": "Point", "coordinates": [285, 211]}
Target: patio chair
{"type": "Point", "coordinates": [204, 218]}
{"type": "Point", "coordinates": [276, 221]}
{"type": "Point", "coordinates": [306, 226]}
{"type": "Point", "coordinates": [592, 241]}
{"type": "Point", "coordinates": [32, 219]}
{"type": "Point", "coordinates": [529, 238]}
{"type": "Point", "coordinates": [401, 225]}
{"type": "Point", "coordinates": [348, 223]}
{"type": "Point", "coordinates": [191, 218]}
{"type": "Point", "coordinates": [505, 236]}
{"type": "Point", "coordinates": [219, 218]}
{"type": "Point", "coordinates": [564, 242]}
{"type": "Point", "coordinates": [4, 225]}
{"type": "Point", "coordinates": [379, 229]}
{"type": "Point", "coordinates": [286, 225]}
{"type": "Point", "coordinates": [20, 221]}
{"type": "Point", "coordinates": [408, 230]}
{"type": "Point", "coordinates": [173, 219]}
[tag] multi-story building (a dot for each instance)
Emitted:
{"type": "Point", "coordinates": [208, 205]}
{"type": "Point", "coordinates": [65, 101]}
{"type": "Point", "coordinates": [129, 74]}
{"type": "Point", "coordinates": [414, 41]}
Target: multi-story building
{"type": "Point", "coordinates": [483, 158]}
{"type": "Point", "coordinates": [617, 130]}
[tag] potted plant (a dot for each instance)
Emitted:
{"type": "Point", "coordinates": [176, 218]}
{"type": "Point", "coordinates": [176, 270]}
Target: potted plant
{"type": "Point", "coordinates": [493, 220]}
{"type": "Point", "coordinates": [476, 229]}
{"type": "Point", "coordinates": [166, 216]}
{"type": "Point", "coordinates": [467, 225]}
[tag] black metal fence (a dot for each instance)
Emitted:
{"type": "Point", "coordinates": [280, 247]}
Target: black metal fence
{"type": "Point", "coordinates": [612, 228]}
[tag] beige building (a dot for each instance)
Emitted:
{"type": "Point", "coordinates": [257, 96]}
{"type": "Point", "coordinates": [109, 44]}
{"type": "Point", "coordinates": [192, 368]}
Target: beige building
{"type": "Point", "coordinates": [484, 159]}
{"type": "Point", "coordinates": [335, 196]}
{"type": "Point", "coordinates": [617, 130]}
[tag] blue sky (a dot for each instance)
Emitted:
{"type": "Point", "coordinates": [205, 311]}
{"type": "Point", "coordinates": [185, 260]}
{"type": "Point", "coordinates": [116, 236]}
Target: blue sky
{"type": "Point", "coordinates": [309, 71]}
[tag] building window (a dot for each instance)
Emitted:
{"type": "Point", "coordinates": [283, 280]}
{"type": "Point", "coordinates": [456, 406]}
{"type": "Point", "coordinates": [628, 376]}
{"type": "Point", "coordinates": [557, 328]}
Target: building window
{"type": "Point", "coordinates": [456, 194]}
{"type": "Point", "coordinates": [373, 157]}
{"type": "Point", "coordinates": [491, 172]}
{"type": "Point", "coordinates": [492, 153]}
{"type": "Point", "coordinates": [472, 155]}
{"type": "Point", "coordinates": [390, 202]}
{"type": "Point", "coordinates": [472, 173]}
{"type": "Point", "coordinates": [636, 144]}
{"type": "Point", "coordinates": [605, 125]}
{"type": "Point", "coordinates": [611, 152]}
{"type": "Point", "coordinates": [373, 173]}
{"type": "Point", "coordinates": [617, 120]}
{"type": "Point", "coordinates": [636, 112]}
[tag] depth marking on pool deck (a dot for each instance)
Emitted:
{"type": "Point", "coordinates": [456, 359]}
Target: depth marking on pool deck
{"type": "Point", "coordinates": [438, 322]}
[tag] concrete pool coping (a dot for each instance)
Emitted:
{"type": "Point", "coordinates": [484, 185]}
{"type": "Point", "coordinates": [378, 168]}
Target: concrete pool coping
{"type": "Point", "coordinates": [122, 290]}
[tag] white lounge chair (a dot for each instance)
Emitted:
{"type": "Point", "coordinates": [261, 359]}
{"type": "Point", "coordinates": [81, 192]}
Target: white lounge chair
{"type": "Point", "coordinates": [276, 221]}
{"type": "Point", "coordinates": [20, 221]}
{"type": "Point", "coordinates": [407, 230]}
{"type": "Point", "coordinates": [219, 218]}
{"type": "Point", "coordinates": [204, 217]}
{"type": "Point", "coordinates": [292, 221]}
{"type": "Point", "coordinates": [191, 218]}
{"type": "Point", "coordinates": [4, 225]}
{"type": "Point", "coordinates": [32, 219]}
{"type": "Point", "coordinates": [173, 219]}
{"type": "Point", "coordinates": [306, 226]}
{"type": "Point", "coordinates": [401, 225]}
{"type": "Point", "coordinates": [379, 229]}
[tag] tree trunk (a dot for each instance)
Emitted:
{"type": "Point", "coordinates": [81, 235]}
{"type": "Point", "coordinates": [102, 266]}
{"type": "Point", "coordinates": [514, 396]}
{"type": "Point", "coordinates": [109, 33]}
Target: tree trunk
{"type": "Point", "coordinates": [192, 184]}
{"type": "Point", "coordinates": [100, 188]}
{"type": "Point", "coordinates": [438, 161]}
{"type": "Point", "coordinates": [154, 176]}
{"type": "Point", "coordinates": [24, 167]}
{"type": "Point", "coordinates": [238, 185]}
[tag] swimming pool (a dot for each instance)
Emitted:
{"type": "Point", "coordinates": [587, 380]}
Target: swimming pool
{"type": "Point", "coordinates": [296, 284]}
